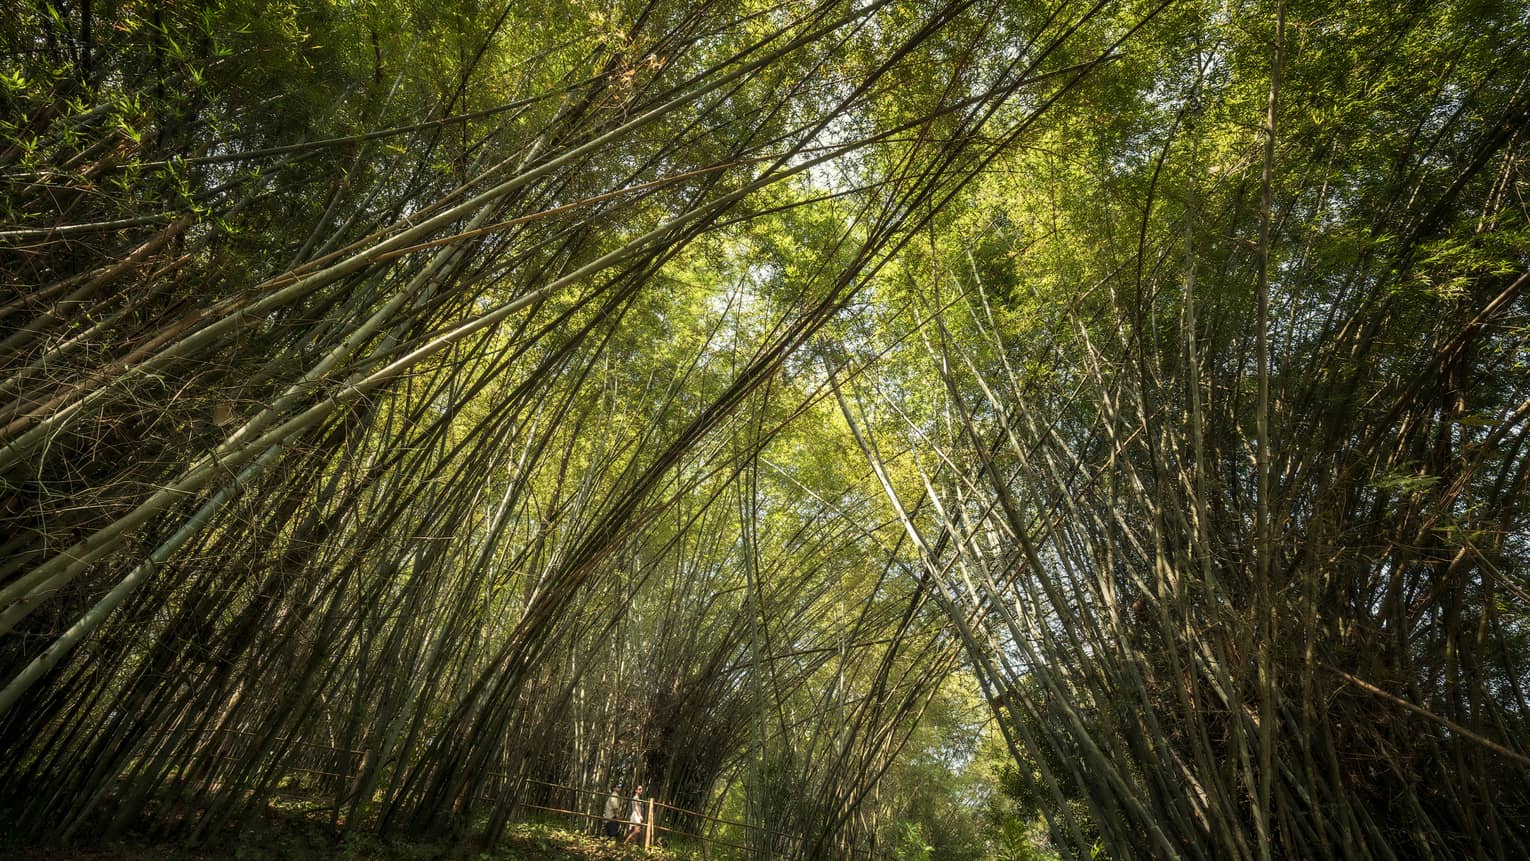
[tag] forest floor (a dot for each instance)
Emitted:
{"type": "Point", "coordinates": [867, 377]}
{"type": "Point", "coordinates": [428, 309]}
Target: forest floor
{"type": "Point", "coordinates": [524, 843]}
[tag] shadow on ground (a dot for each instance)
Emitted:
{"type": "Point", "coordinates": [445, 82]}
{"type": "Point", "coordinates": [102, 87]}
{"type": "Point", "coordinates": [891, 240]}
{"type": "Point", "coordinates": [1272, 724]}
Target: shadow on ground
{"type": "Point", "coordinates": [524, 843]}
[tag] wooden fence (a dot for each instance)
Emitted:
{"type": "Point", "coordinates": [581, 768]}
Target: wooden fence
{"type": "Point", "coordinates": [784, 844]}
{"type": "Point", "coordinates": [337, 767]}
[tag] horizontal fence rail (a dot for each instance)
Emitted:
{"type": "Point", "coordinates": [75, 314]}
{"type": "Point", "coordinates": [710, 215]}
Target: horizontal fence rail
{"type": "Point", "coordinates": [316, 761]}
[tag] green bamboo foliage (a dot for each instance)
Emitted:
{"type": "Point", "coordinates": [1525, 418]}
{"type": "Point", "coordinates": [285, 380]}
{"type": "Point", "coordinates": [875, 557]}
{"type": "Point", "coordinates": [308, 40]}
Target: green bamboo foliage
{"type": "Point", "coordinates": [1225, 487]}
{"type": "Point", "coordinates": [377, 379]}
{"type": "Point", "coordinates": [422, 409]}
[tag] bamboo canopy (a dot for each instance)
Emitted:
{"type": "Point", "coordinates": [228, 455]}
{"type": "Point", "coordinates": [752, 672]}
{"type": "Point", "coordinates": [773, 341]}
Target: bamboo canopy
{"type": "Point", "coordinates": [432, 408]}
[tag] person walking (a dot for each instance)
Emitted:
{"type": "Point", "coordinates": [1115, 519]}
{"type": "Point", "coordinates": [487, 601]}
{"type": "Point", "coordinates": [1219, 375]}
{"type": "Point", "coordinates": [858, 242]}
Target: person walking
{"type": "Point", "coordinates": [636, 818]}
{"type": "Point", "coordinates": [613, 813]}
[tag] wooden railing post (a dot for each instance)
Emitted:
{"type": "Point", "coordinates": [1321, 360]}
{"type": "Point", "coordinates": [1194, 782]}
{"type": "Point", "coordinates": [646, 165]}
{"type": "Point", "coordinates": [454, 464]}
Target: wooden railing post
{"type": "Point", "coordinates": [648, 826]}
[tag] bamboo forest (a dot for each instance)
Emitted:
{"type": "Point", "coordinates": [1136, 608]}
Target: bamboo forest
{"type": "Point", "coordinates": [895, 430]}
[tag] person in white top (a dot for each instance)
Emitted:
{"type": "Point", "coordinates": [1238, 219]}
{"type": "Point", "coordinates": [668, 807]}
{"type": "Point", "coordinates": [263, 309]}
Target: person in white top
{"type": "Point", "coordinates": [613, 813]}
{"type": "Point", "coordinates": [637, 815]}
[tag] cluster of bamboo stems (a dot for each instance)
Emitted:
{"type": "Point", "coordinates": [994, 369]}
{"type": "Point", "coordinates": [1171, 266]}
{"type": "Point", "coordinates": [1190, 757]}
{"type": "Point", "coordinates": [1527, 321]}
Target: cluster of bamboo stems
{"type": "Point", "coordinates": [330, 439]}
{"type": "Point", "coordinates": [396, 441]}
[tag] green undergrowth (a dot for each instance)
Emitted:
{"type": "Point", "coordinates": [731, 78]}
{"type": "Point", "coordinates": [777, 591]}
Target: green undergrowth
{"type": "Point", "coordinates": [293, 843]}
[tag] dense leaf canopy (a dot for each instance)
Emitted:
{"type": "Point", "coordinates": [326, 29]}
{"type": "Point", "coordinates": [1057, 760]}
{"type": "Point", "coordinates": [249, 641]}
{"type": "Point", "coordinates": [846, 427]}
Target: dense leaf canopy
{"type": "Point", "coordinates": [973, 429]}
